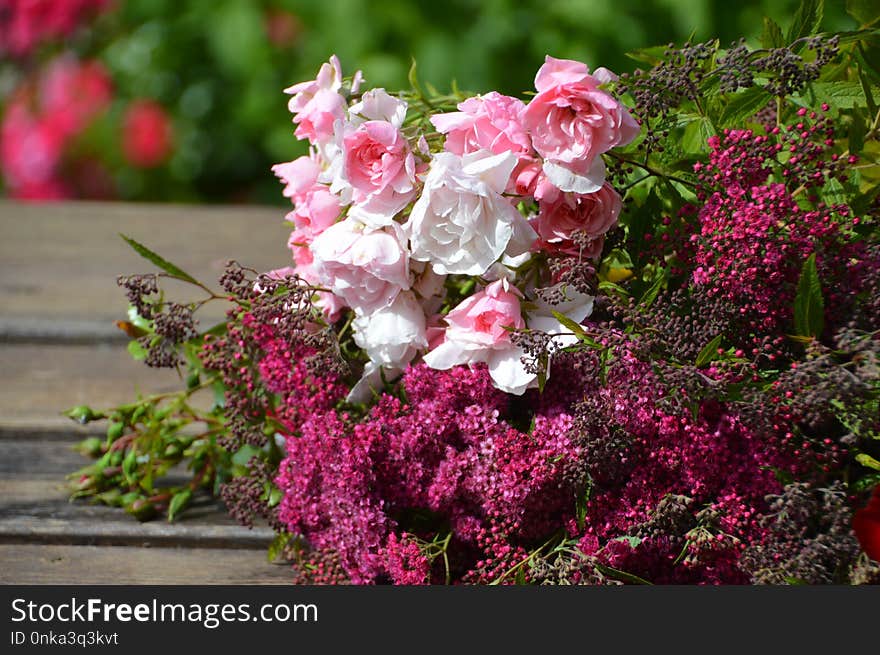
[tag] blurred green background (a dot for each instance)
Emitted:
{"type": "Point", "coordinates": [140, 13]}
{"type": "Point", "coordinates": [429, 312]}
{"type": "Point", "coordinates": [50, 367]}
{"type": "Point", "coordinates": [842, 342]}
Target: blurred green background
{"type": "Point", "coordinates": [217, 70]}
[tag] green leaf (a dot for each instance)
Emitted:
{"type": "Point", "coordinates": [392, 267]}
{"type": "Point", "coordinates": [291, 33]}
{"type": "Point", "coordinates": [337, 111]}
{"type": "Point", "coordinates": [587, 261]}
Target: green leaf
{"type": "Point", "coordinates": [771, 36]}
{"type": "Point", "coordinates": [576, 329]}
{"type": "Point", "coordinates": [743, 105]}
{"type": "Point", "coordinates": [695, 136]}
{"type": "Point", "coordinates": [137, 351]}
{"type": "Point", "coordinates": [809, 306]}
{"type": "Point", "coordinates": [178, 503]}
{"type": "Point", "coordinates": [244, 455]}
{"type": "Point", "coordinates": [162, 263]}
{"type": "Point", "coordinates": [129, 466]}
{"type": "Point", "coordinates": [858, 128]}
{"type": "Point", "coordinates": [651, 56]}
{"type": "Point", "coordinates": [709, 352]}
{"type": "Point", "coordinates": [623, 576]}
{"type": "Point", "coordinates": [580, 504]}
{"type": "Point", "coordinates": [868, 461]}
{"type": "Point", "coordinates": [866, 12]}
{"type": "Point", "coordinates": [807, 20]}
{"type": "Point", "coordinates": [866, 89]}
{"type": "Point", "coordinates": [631, 541]}
{"type": "Point", "coordinates": [650, 295]}
{"type": "Point", "coordinates": [279, 543]}
{"type": "Point", "coordinates": [840, 94]}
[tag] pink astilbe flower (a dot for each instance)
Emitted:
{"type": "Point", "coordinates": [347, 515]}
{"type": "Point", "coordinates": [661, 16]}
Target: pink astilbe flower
{"type": "Point", "coordinates": [25, 24]}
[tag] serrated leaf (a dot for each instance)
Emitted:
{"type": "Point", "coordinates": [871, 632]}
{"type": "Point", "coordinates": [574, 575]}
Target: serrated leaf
{"type": "Point", "coordinates": [833, 193]}
{"type": "Point", "coordinates": [709, 352]}
{"type": "Point", "coordinates": [178, 503]}
{"type": "Point", "coordinates": [743, 105]}
{"type": "Point", "coordinates": [868, 461]}
{"type": "Point", "coordinates": [809, 306]}
{"type": "Point", "coordinates": [807, 20]}
{"type": "Point", "coordinates": [771, 36]}
{"type": "Point", "coordinates": [159, 261]}
{"type": "Point", "coordinates": [695, 136]}
{"type": "Point", "coordinates": [840, 94]}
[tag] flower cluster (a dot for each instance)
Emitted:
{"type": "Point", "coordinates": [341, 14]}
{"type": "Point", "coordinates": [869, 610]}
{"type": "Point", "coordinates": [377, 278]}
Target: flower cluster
{"type": "Point", "coordinates": [389, 217]}
{"type": "Point", "coordinates": [42, 120]}
{"type": "Point", "coordinates": [470, 374]}
{"type": "Point", "coordinates": [26, 24]}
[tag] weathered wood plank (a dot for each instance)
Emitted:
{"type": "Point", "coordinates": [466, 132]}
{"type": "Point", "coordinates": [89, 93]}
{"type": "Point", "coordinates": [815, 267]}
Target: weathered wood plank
{"type": "Point", "coordinates": [59, 261]}
{"type": "Point", "coordinates": [34, 508]}
{"type": "Point", "coordinates": [45, 380]}
{"type": "Point", "coordinates": [49, 564]}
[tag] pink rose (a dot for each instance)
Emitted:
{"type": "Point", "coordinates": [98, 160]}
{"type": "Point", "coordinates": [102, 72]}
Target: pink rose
{"type": "Point", "coordinates": [317, 104]}
{"type": "Point", "coordinates": [489, 122]}
{"type": "Point", "coordinates": [478, 331]}
{"type": "Point", "coordinates": [380, 167]}
{"type": "Point", "coordinates": [485, 317]}
{"type": "Point", "coordinates": [572, 122]}
{"type": "Point", "coordinates": [366, 268]}
{"type": "Point", "coordinates": [298, 176]}
{"type": "Point", "coordinates": [562, 215]}
{"type": "Point", "coordinates": [317, 208]}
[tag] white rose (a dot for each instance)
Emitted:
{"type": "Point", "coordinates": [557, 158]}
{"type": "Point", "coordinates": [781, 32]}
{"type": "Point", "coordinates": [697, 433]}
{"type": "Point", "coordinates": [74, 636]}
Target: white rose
{"type": "Point", "coordinates": [391, 337]}
{"type": "Point", "coordinates": [394, 334]}
{"type": "Point", "coordinates": [378, 105]}
{"type": "Point", "coordinates": [366, 268]}
{"type": "Point", "coordinates": [461, 223]}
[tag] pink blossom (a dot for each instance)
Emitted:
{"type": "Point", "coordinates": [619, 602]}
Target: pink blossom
{"type": "Point", "coordinates": [479, 332]}
{"type": "Point", "coordinates": [25, 24]}
{"type": "Point", "coordinates": [380, 168]}
{"type": "Point", "coordinates": [572, 122]}
{"type": "Point", "coordinates": [317, 104]}
{"type": "Point", "coordinates": [567, 214]}
{"type": "Point", "coordinates": [298, 176]}
{"type": "Point", "coordinates": [147, 135]}
{"type": "Point", "coordinates": [366, 268]}
{"type": "Point", "coordinates": [30, 151]}
{"type": "Point", "coordinates": [486, 317]}
{"type": "Point", "coordinates": [74, 92]}
{"type": "Point", "coordinates": [488, 122]}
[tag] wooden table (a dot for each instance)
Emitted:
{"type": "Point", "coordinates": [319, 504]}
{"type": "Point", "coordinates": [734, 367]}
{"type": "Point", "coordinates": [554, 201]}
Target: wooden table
{"type": "Point", "coordinates": [59, 348]}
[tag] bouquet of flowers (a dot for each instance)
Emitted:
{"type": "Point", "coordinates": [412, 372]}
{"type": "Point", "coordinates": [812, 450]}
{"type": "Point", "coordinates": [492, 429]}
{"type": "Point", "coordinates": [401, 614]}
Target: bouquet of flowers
{"type": "Point", "coordinates": [625, 331]}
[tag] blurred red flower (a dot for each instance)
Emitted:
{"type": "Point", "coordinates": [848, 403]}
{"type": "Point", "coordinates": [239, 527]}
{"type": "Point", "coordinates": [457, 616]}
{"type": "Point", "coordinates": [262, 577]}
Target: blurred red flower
{"type": "Point", "coordinates": [866, 523]}
{"type": "Point", "coordinates": [146, 134]}
{"type": "Point", "coordinates": [44, 115]}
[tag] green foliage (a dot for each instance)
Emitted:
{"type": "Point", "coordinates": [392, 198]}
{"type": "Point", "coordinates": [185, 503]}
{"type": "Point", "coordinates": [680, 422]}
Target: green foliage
{"type": "Point", "coordinates": [159, 261]}
{"type": "Point", "coordinates": [809, 306]}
